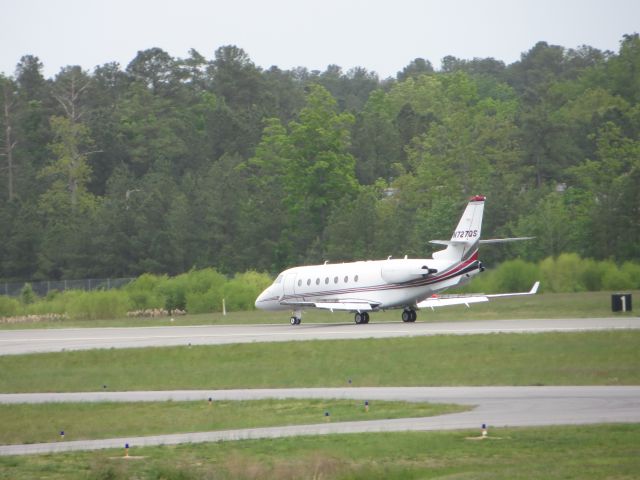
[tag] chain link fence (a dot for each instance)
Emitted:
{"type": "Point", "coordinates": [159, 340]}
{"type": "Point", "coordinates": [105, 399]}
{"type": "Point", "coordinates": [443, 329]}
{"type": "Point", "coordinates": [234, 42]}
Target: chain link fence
{"type": "Point", "coordinates": [43, 288]}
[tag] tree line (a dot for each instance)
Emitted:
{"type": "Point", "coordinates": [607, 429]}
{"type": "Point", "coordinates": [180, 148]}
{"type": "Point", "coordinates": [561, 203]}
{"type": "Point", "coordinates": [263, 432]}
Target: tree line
{"type": "Point", "coordinates": [171, 164]}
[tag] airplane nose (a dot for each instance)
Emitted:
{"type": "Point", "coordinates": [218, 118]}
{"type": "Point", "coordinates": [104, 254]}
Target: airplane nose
{"type": "Point", "coordinates": [259, 300]}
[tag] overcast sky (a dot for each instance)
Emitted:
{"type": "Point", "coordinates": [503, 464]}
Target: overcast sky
{"type": "Point", "coordinates": [380, 35]}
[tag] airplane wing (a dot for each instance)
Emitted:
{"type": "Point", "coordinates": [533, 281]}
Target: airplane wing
{"type": "Point", "coordinates": [446, 300]}
{"type": "Point", "coordinates": [533, 291]}
{"type": "Point", "coordinates": [348, 306]}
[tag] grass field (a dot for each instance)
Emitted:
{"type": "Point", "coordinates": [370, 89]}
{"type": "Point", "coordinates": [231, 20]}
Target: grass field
{"type": "Point", "coordinates": [551, 305]}
{"type": "Point", "coordinates": [574, 452]}
{"type": "Point", "coordinates": [590, 358]}
{"type": "Point", "coordinates": [40, 423]}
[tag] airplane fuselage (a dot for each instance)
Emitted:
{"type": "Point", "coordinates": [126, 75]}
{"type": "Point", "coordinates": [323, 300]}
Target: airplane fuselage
{"type": "Point", "coordinates": [382, 284]}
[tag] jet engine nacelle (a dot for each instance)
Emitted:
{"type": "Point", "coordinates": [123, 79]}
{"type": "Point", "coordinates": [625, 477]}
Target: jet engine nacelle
{"type": "Point", "coordinates": [475, 269]}
{"type": "Point", "coordinates": [401, 271]}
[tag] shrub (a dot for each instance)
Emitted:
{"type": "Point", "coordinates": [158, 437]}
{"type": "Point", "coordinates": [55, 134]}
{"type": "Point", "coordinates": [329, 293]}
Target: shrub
{"type": "Point", "coordinates": [567, 273]}
{"type": "Point", "coordinates": [593, 272]}
{"type": "Point", "coordinates": [174, 292]}
{"type": "Point", "coordinates": [516, 276]}
{"type": "Point", "coordinates": [258, 281]}
{"type": "Point", "coordinates": [239, 296]}
{"type": "Point", "coordinates": [144, 291]}
{"type": "Point", "coordinates": [240, 293]}
{"type": "Point", "coordinates": [197, 291]}
{"type": "Point", "coordinates": [98, 305]}
{"type": "Point", "coordinates": [203, 280]}
{"type": "Point", "coordinates": [27, 295]}
{"type": "Point", "coordinates": [8, 306]}
{"type": "Point", "coordinates": [147, 282]}
{"type": "Point", "coordinates": [207, 302]}
{"type": "Point", "coordinates": [633, 271]}
{"type": "Point", "coordinates": [563, 274]}
{"type": "Point", "coordinates": [144, 300]}
{"type": "Point", "coordinates": [616, 280]}
{"type": "Point", "coordinates": [485, 282]}
{"type": "Point", "coordinates": [56, 304]}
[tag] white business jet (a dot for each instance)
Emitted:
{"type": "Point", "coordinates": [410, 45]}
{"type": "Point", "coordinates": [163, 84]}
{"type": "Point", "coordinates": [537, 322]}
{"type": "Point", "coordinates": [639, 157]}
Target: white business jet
{"type": "Point", "coordinates": [410, 284]}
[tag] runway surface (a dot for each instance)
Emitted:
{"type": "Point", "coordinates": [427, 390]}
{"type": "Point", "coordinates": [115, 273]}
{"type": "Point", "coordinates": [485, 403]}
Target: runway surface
{"type": "Point", "coordinates": [495, 406]}
{"type": "Point", "coordinates": [14, 342]}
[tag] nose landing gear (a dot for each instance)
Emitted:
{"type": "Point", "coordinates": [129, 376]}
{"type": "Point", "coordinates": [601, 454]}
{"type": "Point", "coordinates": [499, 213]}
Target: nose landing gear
{"type": "Point", "coordinates": [296, 318]}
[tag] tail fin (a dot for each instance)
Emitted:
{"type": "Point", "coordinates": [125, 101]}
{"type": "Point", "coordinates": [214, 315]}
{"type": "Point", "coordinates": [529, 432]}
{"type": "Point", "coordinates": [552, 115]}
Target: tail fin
{"type": "Point", "coordinates": [466, 236]}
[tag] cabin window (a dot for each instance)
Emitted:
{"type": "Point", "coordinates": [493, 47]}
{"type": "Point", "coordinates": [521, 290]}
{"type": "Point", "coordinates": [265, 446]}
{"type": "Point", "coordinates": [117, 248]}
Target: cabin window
{"type": "Point", "coordinates": [355, 279]}
{"type": "Point", "coordinates": [317, 281]}
{"type": "Point", "coordinates": [308, 281]}
{"type": "Point", "coordinates": [346, 279]}
{"type": "Point", "coordinates": [335, 280]}
{"type": "Point", "coordinates": [326, 280]}
{"type": "Point", "coordinates": [299, 283]}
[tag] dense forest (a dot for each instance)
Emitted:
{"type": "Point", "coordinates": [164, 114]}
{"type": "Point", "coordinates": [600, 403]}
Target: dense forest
{"type": "Point", "coordinates": [176, 163]}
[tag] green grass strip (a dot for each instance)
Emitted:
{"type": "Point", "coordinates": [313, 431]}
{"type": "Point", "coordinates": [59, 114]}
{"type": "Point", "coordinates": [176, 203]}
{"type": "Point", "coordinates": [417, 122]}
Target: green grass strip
{"type": "Point", "coordinates": [571, 452]}
{"type": "Point", "coordinates": [81, 421]}
{"type": "Point", "coordinates": [590, 358]}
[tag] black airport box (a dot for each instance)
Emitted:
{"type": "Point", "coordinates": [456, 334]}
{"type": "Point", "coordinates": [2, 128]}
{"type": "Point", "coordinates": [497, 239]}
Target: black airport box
{"type": "Point", "coordinates": [621, 302]}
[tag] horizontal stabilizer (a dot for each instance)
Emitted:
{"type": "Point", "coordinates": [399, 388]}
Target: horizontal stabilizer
{"type": "Point", "coordinates": [449, 242]}
{"type": "Point", "coordinates": [505, 240]}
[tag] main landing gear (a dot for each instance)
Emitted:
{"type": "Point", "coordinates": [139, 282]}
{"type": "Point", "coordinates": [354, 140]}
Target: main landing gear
{"type": "Point", "coordinates": [361, 318]}
{"type": "Point", "coordinates": [409, 315]}
{"type": "Point", "coordinates": [296, 318]}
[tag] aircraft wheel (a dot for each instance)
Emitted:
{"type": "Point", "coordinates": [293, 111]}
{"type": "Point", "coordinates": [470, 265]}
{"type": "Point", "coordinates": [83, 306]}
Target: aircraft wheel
{"type": "Point", "coordinates": [358, 317]}
{"type": "Point", "coordinates": [365, 317]}
{"type": "Point", "coordinates": [295, 321]}
{"type": "Point", "coordinates": [409, 315]}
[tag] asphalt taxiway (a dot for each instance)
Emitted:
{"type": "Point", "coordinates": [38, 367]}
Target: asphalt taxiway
{"type": "Point", "coordinates": [494, 406]}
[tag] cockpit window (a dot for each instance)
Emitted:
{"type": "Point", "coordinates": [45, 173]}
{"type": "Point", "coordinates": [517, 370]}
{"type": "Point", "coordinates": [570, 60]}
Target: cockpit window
{"type": "Point", "coordinates": [279, 279]}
